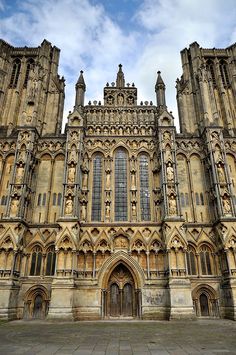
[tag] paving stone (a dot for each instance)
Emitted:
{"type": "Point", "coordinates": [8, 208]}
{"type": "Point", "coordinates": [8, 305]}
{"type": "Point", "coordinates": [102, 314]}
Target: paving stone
{"type": "Point", "coordinates": [115, 338]}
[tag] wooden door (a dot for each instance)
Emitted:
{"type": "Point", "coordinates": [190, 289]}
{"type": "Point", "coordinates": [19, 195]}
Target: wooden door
{"type": "Point", "coordinates": [114, 301]}
{"type": "Point", "coordinates": [204, 305]}
{"type": "Point", "coordinates": [127, 304]}
{"type": "Point", "coordinates": [38, 307]}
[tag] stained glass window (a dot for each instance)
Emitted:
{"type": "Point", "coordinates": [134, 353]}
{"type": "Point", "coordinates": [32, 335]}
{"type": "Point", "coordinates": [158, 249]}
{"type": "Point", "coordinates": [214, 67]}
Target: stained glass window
{"type": "Point", "coordinates": [144, 188]}
{"type": "Point", "coordinates": [97, 188]}
{"type": "Point", "coordinates": [121, 211]}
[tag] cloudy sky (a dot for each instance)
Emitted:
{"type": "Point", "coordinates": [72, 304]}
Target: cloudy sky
{"type": "Point", "coordinates": [97, 35]}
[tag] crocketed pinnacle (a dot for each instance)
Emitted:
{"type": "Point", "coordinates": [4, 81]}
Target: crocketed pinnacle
{"type": "Point", "coordinates": [159, 82]}
{"type": "Point", "coordinates": [80, 83]}
{"type": "Point", "coordinates": [120, 79]}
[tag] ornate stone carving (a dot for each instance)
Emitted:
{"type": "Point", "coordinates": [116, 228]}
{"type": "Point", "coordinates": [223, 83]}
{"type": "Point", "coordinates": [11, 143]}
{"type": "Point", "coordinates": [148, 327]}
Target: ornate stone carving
{"type": "Point", "coordinates": [69, 205]}
{"type": "Point", "coordinates": [172, 204]}
{"type": "Point", "coordinates": [19, 174]}
{"type": "Point", "coordinates": [170, 172]}
{"type": "Point", "coordinates": [71, 173]}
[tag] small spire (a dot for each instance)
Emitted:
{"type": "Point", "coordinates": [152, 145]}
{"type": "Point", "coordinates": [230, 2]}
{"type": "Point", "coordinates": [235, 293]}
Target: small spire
{"type": "Point", "coordinates": [160, 91]}
{"type": "Point", "coordinates": [120, 79]}
{"type": "Point", "coordinates": [80, 89]}
{"type": "Point", "coordinates": [80, 83]}
{"type": "Point", "coordinates": [159, 81]}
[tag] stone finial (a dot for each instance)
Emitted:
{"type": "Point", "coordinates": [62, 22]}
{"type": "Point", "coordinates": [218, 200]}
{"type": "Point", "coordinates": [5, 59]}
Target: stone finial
{"type": "Point", "coordinates": [80, 89]}
{"type": "Point", "coordinates": [159, 81]}
{"type": "Point", "coordinates": [120, 79]}
{"type": "Point", "coordinates": [160, 91]}
{"type": "Point", "coordinates": [81, 83]}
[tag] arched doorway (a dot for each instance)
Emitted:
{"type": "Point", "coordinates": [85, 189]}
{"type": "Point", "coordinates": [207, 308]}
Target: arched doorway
{"type": "Point", "coordinates": [36, 303]}
{"type": "Point", "coordinates": [121, 300]}
{"type": "Point", "coordinates": [205, 301]}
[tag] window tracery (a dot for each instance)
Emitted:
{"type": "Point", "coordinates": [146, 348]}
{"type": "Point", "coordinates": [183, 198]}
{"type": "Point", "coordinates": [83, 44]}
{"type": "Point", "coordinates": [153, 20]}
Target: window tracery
{"type": "Point", "coordinates": [206, 260]}
{"type": "Point", "coordinates": [50, 261]}
{"type": "Point", "coordinates": [121, 210]}
{"type": "Point", "coordinates": [15, 73]}
{"type": "Point", "coordinates": [29, 65]}
{"type": "Point", "coordinates": [191, 261]}
{"type": "Point", "coordinates": [144, 188]}
{"type": "Point", "coordinates": [97, 188]}
{"type": "Point", "coordinates": [36, 261]}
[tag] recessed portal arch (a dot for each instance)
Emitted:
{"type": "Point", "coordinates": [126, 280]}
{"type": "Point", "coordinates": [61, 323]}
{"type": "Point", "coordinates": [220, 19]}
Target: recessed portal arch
{"type": "Point", "coordinates": [121, 279]}
{"type": "Point", "coordinates": [36, 303]}
{"type": "Point", "coordinates": [205, 301]}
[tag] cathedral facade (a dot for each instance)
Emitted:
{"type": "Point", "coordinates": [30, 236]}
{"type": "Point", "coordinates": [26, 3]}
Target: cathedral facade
{"type": "Point", "coordinates": [120, 215]}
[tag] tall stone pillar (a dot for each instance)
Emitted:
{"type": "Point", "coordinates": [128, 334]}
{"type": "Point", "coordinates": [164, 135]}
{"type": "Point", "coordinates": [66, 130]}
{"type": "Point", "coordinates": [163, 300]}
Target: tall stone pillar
{"type": "Point", "coordinates": [180, 300]}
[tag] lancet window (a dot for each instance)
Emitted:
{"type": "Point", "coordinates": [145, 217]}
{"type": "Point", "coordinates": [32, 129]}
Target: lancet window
{"type": "Point", "coordinates": [15, 72]}
{"type": "Point", "coordinates": [206, 262]}
{"type": "Point", "coordinates": [36, 261]}
{"type": "Point", "coordinates": [224, 73]}
{"type": "Point", "coordinates": [121, 210]}
{"type": "Point", "coordinates": [50, 261]}
{"type": "Point", "coordinates": [191, 261]}
{"type": "Point", "coordinates": [97, 188]}
{"type": "Point", "coordinates": [30, 65]}
{"type": "Point", "coordinates": [210, 68]}
{"type": "Point", "coordinates": [144, 188]}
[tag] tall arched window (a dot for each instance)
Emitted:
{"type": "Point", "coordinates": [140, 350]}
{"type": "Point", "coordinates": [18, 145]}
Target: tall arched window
{"type": "Point", "coordinates": [224, 73]}
{"type": "Point", "coordinates": [29, 65]}
{"type": "Point", "coordinates": [121, 210]}
{"type": "Point", "coordinates": [206, 260]}
{"type": "Point", "coordinates": [144, 188]}
{"type": "Point", "coordinates": [36, 261]}
{"type": "Point", "coordinates": [59, 196]}
{"type": "Point", "coordinates": [39, 199]}
{"type": "Point", "coordinates": [15, 72]}
{"type": "Point", "coordinates": [44, 199]}
{"type": "Point", "coordinates": [50, 261]}
{"type": "Point", "coordinates": [54, 199]}
{"type": "Point", "coordinates": [97, 188]}
{"type": "Point", "coordinates": [191, 261]}
{"type": "Point", "coordinates": [210, 68]}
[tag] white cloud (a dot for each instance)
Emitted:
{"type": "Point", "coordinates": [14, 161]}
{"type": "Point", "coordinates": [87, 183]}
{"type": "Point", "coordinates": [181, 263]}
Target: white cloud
{"type": "Point", "coordinates": [90, 40]}
{"type": "Point", "coordinates": [170, 26]}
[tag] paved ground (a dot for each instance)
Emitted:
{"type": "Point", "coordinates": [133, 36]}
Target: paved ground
{"type": "Point", "coordinates": [113, 338]}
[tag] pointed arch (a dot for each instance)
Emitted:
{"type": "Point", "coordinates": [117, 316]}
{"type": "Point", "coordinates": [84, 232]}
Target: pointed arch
{"type": "Point", "coordinates": [206, 301]}
{"type": "Point", "coordinates": [114, 260]}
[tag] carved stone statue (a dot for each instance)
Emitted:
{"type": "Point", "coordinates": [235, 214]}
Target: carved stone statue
{"type": "Point", "coordinates": [133, 182]}
{"type": "Point", "coordinates": [69, 206]}
{"type": "Point", "coordinates": [85, 180]}
{"type": "Point", "coordinates": [83, 212]}
{"type": "Point", "coordinates": [19, 174]}
{"type": "Point", "coordinates": [71, 174]}
{"type": "Point", "coordinates": [120, 100]}
{"type": "Point", "coordinates": [72, 155]}
{"type": "Point", "coordinates": [108, 179]}
{"type": "Point", "coordinates": [107, 211]}
{"type": "Point", "coordinates": [14, 206]}
{"type": "Point", "coordinates": [134, 209]}
{"type": "Point", "coordinates": [226, 205]}
{"type": "Point", "coordinates": [221, 173]}
{"type": "Point", "coordinates": [172, 204]}
{"type": "Point", "coordinates": [170, 172]}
